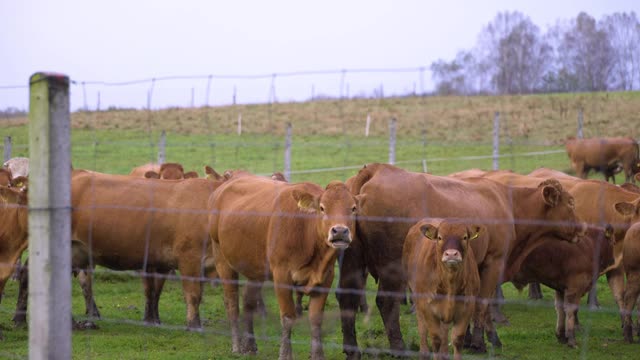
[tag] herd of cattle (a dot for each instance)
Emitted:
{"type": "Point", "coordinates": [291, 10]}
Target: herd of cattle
{"type": "Point", "coordinates": [451, 240]}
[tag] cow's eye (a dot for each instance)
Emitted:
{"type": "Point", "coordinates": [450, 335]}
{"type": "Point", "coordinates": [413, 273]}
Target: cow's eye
{"type": "Point", "coordinates": [321, 208]}
{"type": "Point", "coordinates": [439, 238]}
{"type": "Point", "coordinates": [354, 209]}
{"type": "Point", "coordinates": [465, 237]}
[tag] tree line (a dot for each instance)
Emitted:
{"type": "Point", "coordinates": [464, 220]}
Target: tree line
{"type": "Point", "coordinates": [513, 56]}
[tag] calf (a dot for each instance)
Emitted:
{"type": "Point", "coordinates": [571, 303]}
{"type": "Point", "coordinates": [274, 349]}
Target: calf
{"type": "Point", "coordinates": [263, 228]}
{"type": "Point", "coordinates": [571, 270]}
{"type": "Point", "coordinates": [443, 277]}
{"type": "Point", "coordinates": [166, 171]}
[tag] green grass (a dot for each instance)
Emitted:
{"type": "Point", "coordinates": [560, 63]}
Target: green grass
{"type": "Point", "coordinates": [326, 135]}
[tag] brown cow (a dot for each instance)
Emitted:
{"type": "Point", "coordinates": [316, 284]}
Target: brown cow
{"type": "Point", "coordinates": [13, 231]}
{"type": "Point", "coordinates": [569, 270]}
{"type": "Point", "coordinates": [604, 154]}
{"type": "Point", "coordinates": [263, 228]}
{"type": "Point", "coordinates": [442, 274]}
{"type": "Point", "coordinates": [468, 173]}
{"type": "Point", "coordinates": [392, 199]}
{"type": "Point", "coordinates": [166, 171]}
{"type": "Point", "coordinates": [631, 264]}
{"type": "Point", "coordinates": [156, 226]}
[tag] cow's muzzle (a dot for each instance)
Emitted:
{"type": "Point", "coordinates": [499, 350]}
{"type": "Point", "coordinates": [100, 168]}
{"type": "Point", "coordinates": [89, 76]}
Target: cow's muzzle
{"type": "Point", "coordinates": [451, 258]}
{"type": "Point", "coordinates": [339, 237]}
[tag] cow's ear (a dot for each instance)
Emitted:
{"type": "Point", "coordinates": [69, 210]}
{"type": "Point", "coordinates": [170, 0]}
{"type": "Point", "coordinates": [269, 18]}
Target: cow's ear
{"type": "Point", "coordinates": [429, 231]}
{"type": "Point", "coordinates": [306, 201]}
{"type": "Point", "coordinates": [211, 174]}
{"type": "Point", "coordinates": [191, 175]}
{"type": "Point", "coordinates": [228, 174]}
{"type": "Point", "coordinates": [625, 209]}
{"type": "Point", "coordinates": [475, 231]}
{"type": "Point", "coordinates": [152, 175]}
{"type": "Point", "coordinates": [551, 195]}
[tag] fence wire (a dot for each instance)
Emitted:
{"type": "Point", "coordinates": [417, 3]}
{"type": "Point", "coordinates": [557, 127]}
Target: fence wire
{"type": "Point", "coordinates": [316, 156]}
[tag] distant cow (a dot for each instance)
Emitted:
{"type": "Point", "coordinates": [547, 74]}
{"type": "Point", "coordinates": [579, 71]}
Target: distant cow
{"type": "Point", "coordinates": [443, 277]}
{"type": "Point", "coordinates": [569, 270]}
{"type": "Point", "coordinates": [263, 228]}
{"type": "Point", "coordinates": [19, 166]}
{"type": "Point", "coordinates": [166, 171]}
{"type": "Point", "coordinates": [605, 155]}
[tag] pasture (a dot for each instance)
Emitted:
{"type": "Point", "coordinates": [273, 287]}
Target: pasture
{"type": "Point", "coordinates": [450, 133]}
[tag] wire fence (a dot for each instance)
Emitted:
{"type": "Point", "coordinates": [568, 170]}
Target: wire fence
{"type": "Point", "coordinates": [296, 139]}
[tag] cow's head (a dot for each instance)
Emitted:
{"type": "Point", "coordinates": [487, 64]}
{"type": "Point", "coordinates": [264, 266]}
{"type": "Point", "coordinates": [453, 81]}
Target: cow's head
{"type": "Point", "coordinates": [630, 211]}
{"type": "Point", "coordinates": [13, 230]}
{"type": "Point", "coordinates": [337, 209]}
{"type": "Point", "coordinates": [559, 216]}
{"type": "Point", "coordinates": [451, 239]}
{"type": "Point", "coordinates": [168, 171]}
{"type": "Point", "coordinates": [278, 176]}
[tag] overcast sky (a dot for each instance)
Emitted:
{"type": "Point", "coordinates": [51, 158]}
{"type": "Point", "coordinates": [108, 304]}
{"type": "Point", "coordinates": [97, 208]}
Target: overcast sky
{"type": "Point", "coordinates": [119, 41]}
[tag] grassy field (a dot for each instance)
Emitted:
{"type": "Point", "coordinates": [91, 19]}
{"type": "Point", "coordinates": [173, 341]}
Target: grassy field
{"type": "Point", "coordinates": [449, 133]}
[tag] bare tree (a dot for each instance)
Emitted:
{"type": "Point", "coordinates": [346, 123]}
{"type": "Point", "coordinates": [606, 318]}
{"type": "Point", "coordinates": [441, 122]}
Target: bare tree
{"type": "Point", "coordinates": [623, 30]}
{"type": "Point", "coordinates": [455, 77]}
{"type": "Point", "coordinates": [513, 53]}
{"type": "Point", "coordinates": [586, 53]}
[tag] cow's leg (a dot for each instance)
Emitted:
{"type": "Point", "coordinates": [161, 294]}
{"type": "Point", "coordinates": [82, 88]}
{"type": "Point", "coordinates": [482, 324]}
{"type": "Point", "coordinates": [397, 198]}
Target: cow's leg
{"type": "Point", "coordinates": [615, 279]}
{"type": "Point", "coordinates": [423, 332]}
{"type": "Point", "coordinates": [496, 308]}
{"type": "Point", "coordinates": [630, 296]}
{"type": "Point", "coordinates": [251, 295]}
{"type": "Point", "coordinates": [229, 279]}
{"type": "Point", "coordinates": [458, 333]}
{"type": "Point", "coordinates": [363, 307]}
{"type": "Point", "coordinates": [192, 273]}
{"type": "Point", "coordinates": [316, 311]}
{"type": "Point", "coordinates": [592, 299]}
{"type": "Point", "coordinates": [350, 289]}
{"type": "Point", "coordinates": [437, 340]}
{"type": "Point", "coordinates": [389, 306]}
{"type": "Point", "coordinates": [86, 283]}
{"type": "Point", "coordinates": [158, 284]}
{"type": "Point", "coordinates": [284, 293]}
{"type": "Point", "coordinates": [560, 317]}
{"type": "Point", "coordinates": [148, 280]}
{"type": "Point", "coordinates": [482, 317]}
{"type": "Point", "coordinates": [535, 292]}
{"type": "Point", "coordinates": [571, 303]}
{"type": "Point", "coordinates": [261, 308]}
{"type": "Point", "coordinates": [299, 307]}
{"type": "Point", "coordinates": [20, 317]}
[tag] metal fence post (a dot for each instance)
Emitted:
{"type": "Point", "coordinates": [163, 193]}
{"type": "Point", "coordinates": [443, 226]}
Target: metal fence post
{"type": "Point", "coordinates": [7, 148]}
{"type": "Point", "coordinates": [49, 218]}
{"type": "Point", "coordinates": [580, 135]}
{"type": "Point", "coordinates": [496, 141]}
{"type": "Point", "coordinates": [162, 148]}
{"type": "Point", "coordinates": [287, 153]}
{"type": "Point", "coordinates": [392, 141]}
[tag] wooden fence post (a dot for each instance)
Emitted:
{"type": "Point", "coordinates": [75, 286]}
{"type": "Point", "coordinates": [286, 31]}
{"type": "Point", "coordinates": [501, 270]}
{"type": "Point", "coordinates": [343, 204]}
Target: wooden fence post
{"type": "Point", "coordinates": [162, 148]}
{"type": "Point", "coordinates": [7, 148]}
{"type": "Point", "coordinates": [287, 153]}
{"type": "Point", "coordinates": [392, 141]}
{"type": "Point", "coordinates": [496, 141]}
{"type": "Point", "coordinates": [49, 218]}
{"type": "Point", "coordinates": [579, 134]}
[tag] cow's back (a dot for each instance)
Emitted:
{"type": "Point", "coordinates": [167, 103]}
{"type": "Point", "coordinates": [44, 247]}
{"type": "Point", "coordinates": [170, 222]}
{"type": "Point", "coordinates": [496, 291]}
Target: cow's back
{"type": "Point", "coordinates": [127, 219]}
{"type": "Point", "coordinates": [258, 219]}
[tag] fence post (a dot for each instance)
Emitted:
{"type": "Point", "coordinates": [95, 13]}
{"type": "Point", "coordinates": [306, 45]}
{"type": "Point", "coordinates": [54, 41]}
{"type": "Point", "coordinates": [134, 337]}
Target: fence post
{"type": "Point", "coordinates": [392, 141]}
{"type": "Point", "coordinates": [162, 148]}
{"type": "Point", "coordinates": [7, 148]}
{"type": "Point", "coordinates": [580, 135]}
{"type": "Point", "coordinates": [287, 153]}
{"type": "Point", "coordinates": [239, 123]}
{"type": "Point", "coordinates": [496, 141]}
{"type": "Point", "coordinates": [367, 125]}
{"type": "Point", "coordinates": [49, 217]}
